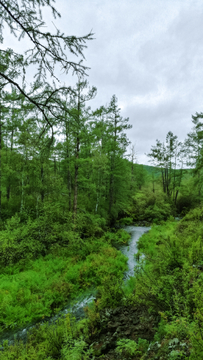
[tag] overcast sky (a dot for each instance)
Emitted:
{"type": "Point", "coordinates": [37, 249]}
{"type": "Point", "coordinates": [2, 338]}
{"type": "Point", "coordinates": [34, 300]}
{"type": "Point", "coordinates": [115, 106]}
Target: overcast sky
{"type": "Point", "coordinates": [148, 53]}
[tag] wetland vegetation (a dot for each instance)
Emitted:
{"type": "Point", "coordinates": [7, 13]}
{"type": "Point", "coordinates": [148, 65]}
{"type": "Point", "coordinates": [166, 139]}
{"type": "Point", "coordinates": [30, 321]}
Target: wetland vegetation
{"type": "Point", "coordinates": [68, 185]}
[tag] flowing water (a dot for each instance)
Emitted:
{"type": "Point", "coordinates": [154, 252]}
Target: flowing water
{"type": "Point", "coordinates": [136, 232]}
{"type": "Point", "coordinates": [77, 309]}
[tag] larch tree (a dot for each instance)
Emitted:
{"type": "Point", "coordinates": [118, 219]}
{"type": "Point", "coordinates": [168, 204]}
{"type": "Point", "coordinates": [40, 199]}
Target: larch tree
{"type": "Point", "coordinates": [165, 156]}
{"type": "Point", "coordinates": [194, 150]}
{"type": "Point", "coordinates": [47, 51]}
{"type": "Point", "coordinates": [117, 146]}
{"type": "Point", "coordinates": [79, 114]}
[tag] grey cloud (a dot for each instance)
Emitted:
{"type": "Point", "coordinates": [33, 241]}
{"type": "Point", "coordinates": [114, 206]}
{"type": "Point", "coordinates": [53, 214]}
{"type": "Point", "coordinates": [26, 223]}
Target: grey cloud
{"type": "Point", "coordinates": [148, 53]}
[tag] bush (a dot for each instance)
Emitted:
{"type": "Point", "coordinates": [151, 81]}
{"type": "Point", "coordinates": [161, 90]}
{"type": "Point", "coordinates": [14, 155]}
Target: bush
{"type": "Point", "coordinates": [64, 340]}
{"type": "Point", "coordinates": [34, 238]}
{"type": "Point", "coordinates": [126, 221]}
{"type": "Point", "coordinates": [119, 237]}
{"type": "Point", "coordinates": [130, 348]}
{"type": "Point", "coordinates": [149, 206]}
{"type": "Point", "coordinates": [110, 292]}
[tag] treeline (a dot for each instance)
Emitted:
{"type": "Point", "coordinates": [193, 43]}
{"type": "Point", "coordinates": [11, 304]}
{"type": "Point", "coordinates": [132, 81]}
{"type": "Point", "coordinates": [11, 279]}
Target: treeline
{"type": "Point", "coordinates": [76, 158]}
{"type": "Point", "coordinates": [177, 167]}
{"type": "Point", "coordinates": [78, 161]}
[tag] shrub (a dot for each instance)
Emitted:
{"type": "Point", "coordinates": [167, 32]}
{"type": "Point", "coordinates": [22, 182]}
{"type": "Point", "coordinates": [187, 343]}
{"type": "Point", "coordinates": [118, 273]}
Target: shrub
{"type": "Point", "coordinates": [126, 221]}
{"type": "Point", "coordinates": [151, 206]}
{"type": "Point", "coordinates": [128, 347]}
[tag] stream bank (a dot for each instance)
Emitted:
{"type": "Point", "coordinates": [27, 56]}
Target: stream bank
{"type": "Point", "coordinates": [125, 322]}
{"type": "Point", "coordinates": [77, 308]}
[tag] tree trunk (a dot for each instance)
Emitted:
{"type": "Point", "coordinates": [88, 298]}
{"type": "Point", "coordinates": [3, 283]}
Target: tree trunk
{"type": "Point", "coordinates": [153, 182]}
{"type": "Point", "coordinates": [98, 190]}
{"type": "Point", "coordinates": [0, 160]}
{"type": "Point", "coordinates": [68, 163]}
{"type": "Point", "coordinates": [111, 190]}
{"type": "Point", "coordinates": [55, 166]}
{"type": "Point", "coordinates": [8, 190]}
{"type": "Point", "coordinates": [76, 179]}
{"type": "Point", "coordinates": [69, 186]}
{"type": "Point", "coordinates": [42, 182]}
{"type": "Point", "coordinates": [75, 204]}
{"type": "Point", "coordinates": [132, 167]}
{"type": "Point", "coordinates": [22, 191]}
{"type": "Point", "coordinates": [163, 182]}
{"type": "Point", "coordinates": [176, 197]}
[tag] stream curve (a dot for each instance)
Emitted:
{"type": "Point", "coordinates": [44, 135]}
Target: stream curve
{"type": "Point", "coordinates": [77, 309]}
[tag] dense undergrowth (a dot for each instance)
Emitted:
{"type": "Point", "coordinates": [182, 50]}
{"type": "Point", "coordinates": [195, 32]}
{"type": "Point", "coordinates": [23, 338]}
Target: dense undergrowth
{"type": "Point", "coordinates": [48, 283]}
{"type": "Point", "coordinates": [168, 282]}
{"type": "Point", "coordinates": [151, 206]}
{"type": "Point", "coordinates": [49, 261]}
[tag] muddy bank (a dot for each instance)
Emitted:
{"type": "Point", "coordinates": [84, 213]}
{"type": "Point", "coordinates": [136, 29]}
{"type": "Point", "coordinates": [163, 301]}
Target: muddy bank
{"type": "Point", "coordinates": [125, 322]}
{"type": "Point", "coordinates": [131, 323]}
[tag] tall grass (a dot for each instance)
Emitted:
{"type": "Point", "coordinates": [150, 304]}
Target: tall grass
{"type": "Point", "coordinates": [168, 282]}
{"type": "Point", "coordinates": [51, 281]}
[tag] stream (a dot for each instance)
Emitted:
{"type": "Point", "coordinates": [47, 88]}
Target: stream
{"type": "Point", "coordinates": [136, 232]}
{"type": "Point", "coordinates": [77, 308]}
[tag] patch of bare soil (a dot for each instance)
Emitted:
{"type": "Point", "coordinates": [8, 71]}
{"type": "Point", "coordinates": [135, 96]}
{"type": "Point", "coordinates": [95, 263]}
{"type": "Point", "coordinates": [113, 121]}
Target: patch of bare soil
{"type": "Point", "coordinates": [122, 323]}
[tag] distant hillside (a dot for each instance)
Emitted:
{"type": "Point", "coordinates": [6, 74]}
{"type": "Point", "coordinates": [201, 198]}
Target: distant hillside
{"type": "Point", "coordinates": [149, 169]}
{"type": "Point", "coordinates": [157, 171]}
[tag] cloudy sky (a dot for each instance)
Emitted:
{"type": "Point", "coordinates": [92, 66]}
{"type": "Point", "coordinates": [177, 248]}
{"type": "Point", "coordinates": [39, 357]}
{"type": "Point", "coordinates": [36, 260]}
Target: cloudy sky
{"type": "Point", "coordinates": [148, 53]}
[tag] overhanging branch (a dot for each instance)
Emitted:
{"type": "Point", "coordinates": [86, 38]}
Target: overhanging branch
{"type": "Point", "coordinates": [27, 96]}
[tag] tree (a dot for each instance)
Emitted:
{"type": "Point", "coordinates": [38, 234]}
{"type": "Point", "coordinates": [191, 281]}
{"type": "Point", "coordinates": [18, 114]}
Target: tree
{"type": "Point", "coordinates": [165, 156]}
{"type": "Point", "coordinates": [66, 124]}
{"type": "Point", "coordinates": [47, 50]}
{"type": "Point", "coordinates": [100, 169]}
{"type": "Point", "coordinates": [194, 150]}
{"type": "Point", "coordinates": [117, 146]}
{"type": "Point", "coordinates": [3, 110]}
{"type": "Point", "coordinates": [157, 159]}
{"type": "Point", "coordinates": [79, 114]}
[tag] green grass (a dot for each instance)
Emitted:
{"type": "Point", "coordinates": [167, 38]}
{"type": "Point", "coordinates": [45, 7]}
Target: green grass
{"type": "Point", "coordinates": [169, 280]}
{"type": "Point", "coordinates": [50, 282]}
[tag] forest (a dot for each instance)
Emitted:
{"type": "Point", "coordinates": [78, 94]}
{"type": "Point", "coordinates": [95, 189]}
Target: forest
{"type": "Point", "coordinates": [69, 185]}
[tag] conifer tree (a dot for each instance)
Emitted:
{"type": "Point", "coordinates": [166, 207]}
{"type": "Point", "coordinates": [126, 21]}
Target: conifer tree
{"type": "Point", "coordinates": [79, 114]}
{"type": "Point", "coordinates": [117, 146]}
{"type": "Point", "coordinates": [47, 50]}
{"type": "Point", "coordinates": [165, 156]}
{"type": "Point", "coordinates": [194, 150]}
